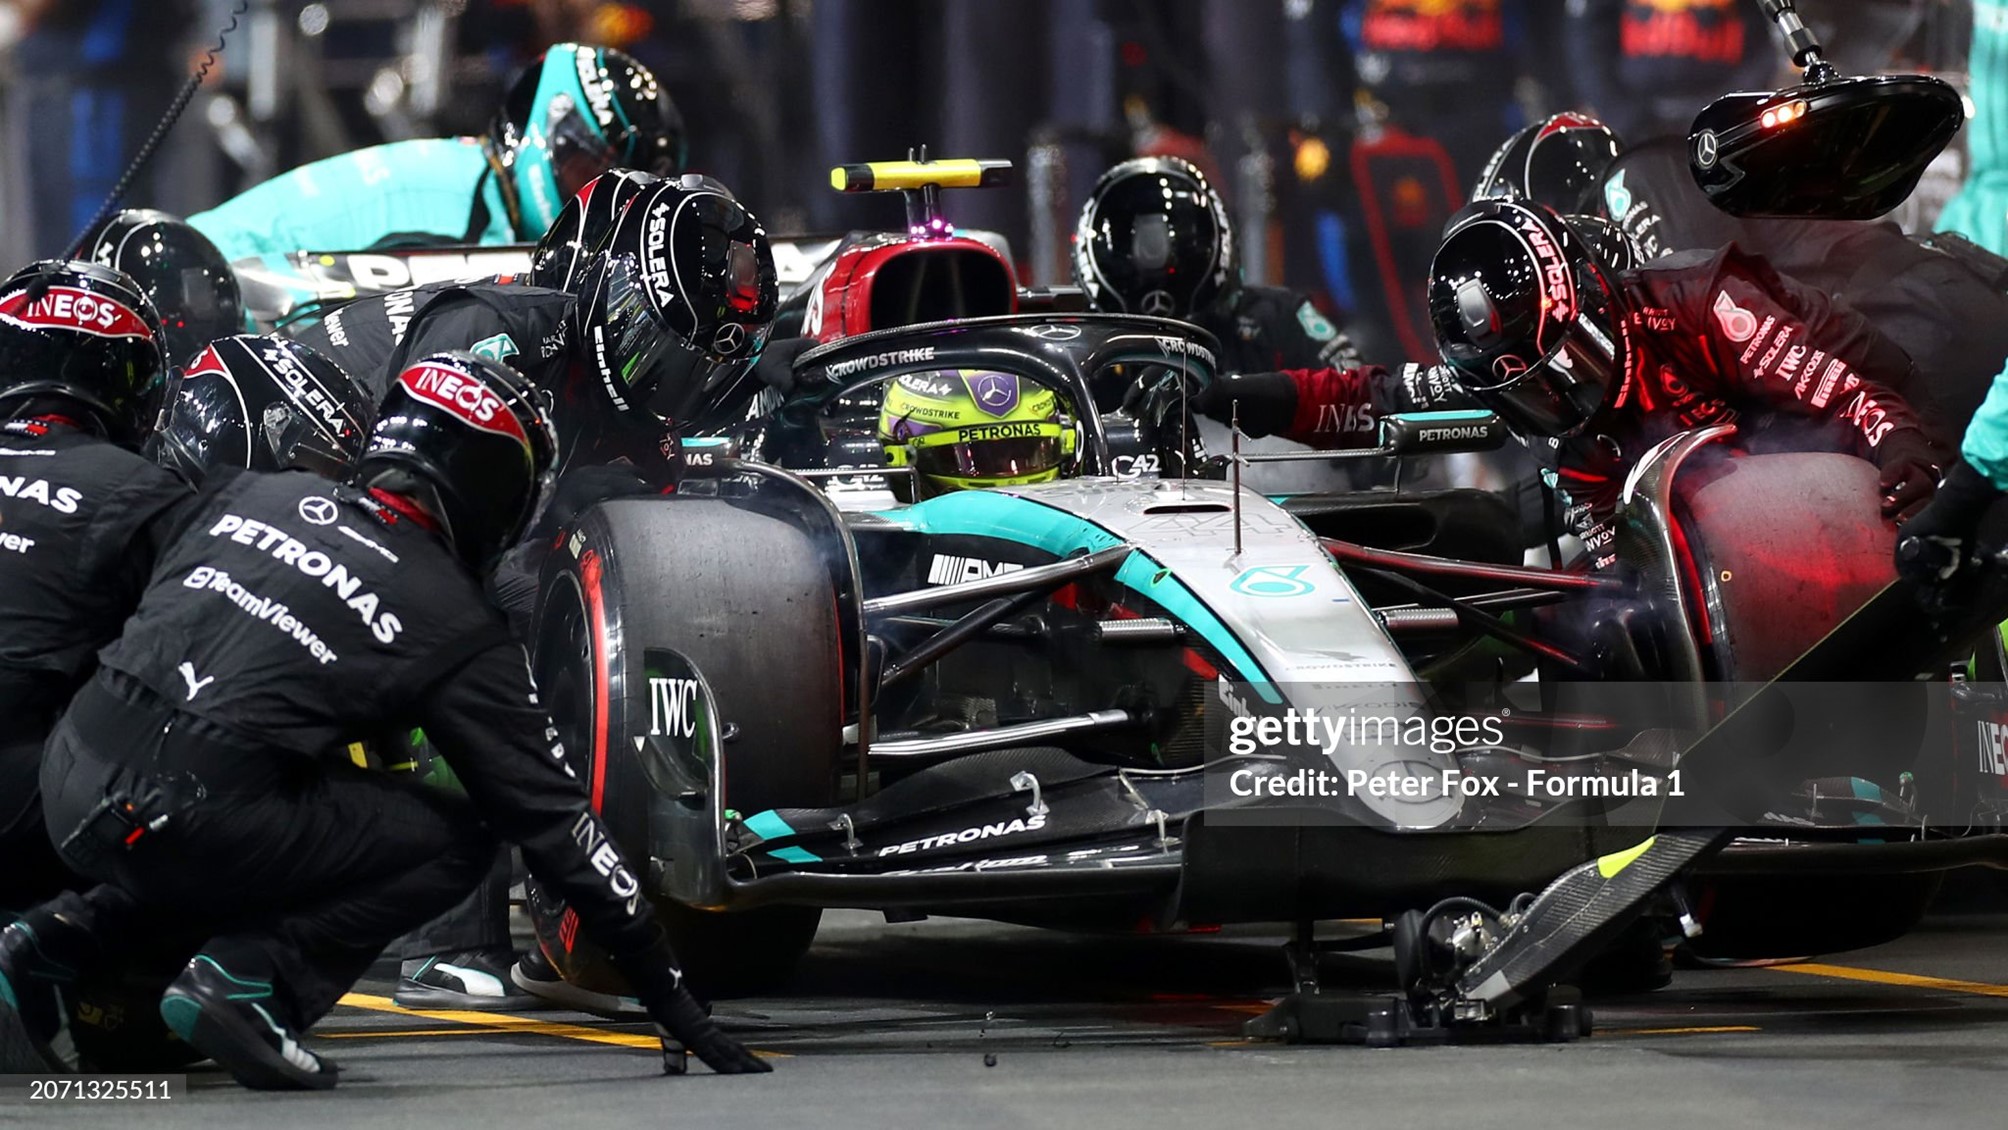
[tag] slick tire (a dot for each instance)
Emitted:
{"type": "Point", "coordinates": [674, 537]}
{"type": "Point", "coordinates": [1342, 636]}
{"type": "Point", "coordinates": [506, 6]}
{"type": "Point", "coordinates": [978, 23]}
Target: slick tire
{"type": "Point", "coordinates": [747, 599]}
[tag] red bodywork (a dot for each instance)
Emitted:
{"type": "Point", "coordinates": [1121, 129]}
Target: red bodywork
{"type": "Point", "coordinates": [888, 279]}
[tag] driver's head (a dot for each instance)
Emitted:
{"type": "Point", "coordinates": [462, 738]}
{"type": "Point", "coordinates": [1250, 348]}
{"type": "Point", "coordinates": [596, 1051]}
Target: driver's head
{"type": "Point", "coordinates": [573, 115]}
{"type": "Point", "coordinates": [1154, 239]}
{"type": "Point", "coordinates": [1558, 162]}
{"type": "Point", "coordinates": [1530, 319]}
{"type": "Point", "coordinates": [969, 428]}
{"type": "Point", "coordinates": [672, 314]}
{"type": "Point", "coordinates": [263, 404]}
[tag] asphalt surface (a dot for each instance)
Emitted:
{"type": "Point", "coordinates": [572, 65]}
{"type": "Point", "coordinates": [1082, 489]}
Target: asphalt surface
{"type": "Point", "coordinates": [893, 1026]}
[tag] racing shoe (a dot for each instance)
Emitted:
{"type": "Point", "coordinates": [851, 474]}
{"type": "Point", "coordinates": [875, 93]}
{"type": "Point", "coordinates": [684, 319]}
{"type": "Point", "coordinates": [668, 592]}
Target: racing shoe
{"type": "Point", "coordinates": [234, 1018]}
{"type": "Point", "coordinates": [535, 974]}
{"type": "Point", "coordinates": [473, 980]}
{"type": "Point", "coordinates": [31, 1005]}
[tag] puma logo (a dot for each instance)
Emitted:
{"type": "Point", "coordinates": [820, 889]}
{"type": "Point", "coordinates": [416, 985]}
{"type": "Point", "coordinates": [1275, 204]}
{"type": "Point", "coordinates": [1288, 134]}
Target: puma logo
{"type": "Point", "coordinates": [195, 685]}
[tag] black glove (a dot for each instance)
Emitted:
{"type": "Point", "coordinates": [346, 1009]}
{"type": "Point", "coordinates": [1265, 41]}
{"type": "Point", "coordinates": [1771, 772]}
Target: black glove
{"type": "Point", "coordinates": [776, 366]}
{"type": "Point", "coordinates": [1909, 464]}
{"type": "Point", "coordinates": [658, 984]}
{"type": "Point", "coordinates": [1937, 543]}
{"type": "Point", "coordinates": [579, 490]}
{"type": "Point", "coordinates": [1267, 401]}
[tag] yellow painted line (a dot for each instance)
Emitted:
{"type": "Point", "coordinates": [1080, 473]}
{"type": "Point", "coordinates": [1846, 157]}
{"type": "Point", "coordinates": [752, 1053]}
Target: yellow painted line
{"type": "Point", "coordinates": [1694, 1030]}
{"type": "Point", "coordinates": [504, 1022]}
{"type": "Point", "coordinates": [1903, 980]}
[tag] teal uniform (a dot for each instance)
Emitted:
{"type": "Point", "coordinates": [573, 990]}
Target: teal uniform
{"type": "Point", "coordinates": [1980, 211]}
{"type": "Point", "coordinates": [439, 187]}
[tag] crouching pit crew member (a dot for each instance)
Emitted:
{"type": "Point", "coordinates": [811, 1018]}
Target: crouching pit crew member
{"type": "Point", "coordinates": [81, 517]}
{"type": "Point", "coordinates": [627, 358]}
{"type": "Point", "coordinates": [287, 616]}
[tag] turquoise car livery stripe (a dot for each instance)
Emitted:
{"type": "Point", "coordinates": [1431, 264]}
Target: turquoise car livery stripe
{"type": "Point", "coordinates": [1009, 517]}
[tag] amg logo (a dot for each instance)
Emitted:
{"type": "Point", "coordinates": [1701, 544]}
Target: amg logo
{"type": "Point", "coordinates": [881, 360]}
{"type": "Point", "coordinates": [946, 570]}
{"type": "Point", "coordinates": [1447, 435]}
{"type": "Point", "coordinates": [670, 713]}
{"type": "Point", "coordinates": [1994, 748]}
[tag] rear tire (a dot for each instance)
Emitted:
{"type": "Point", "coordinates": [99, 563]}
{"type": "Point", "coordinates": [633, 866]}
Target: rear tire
{"type": "Point", "coordinates": [748, 600]}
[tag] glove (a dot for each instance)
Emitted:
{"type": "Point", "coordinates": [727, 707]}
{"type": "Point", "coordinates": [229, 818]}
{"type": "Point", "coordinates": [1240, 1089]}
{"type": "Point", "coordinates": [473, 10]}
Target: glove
{"type": "Point", "coordinates": [1909, 465]}
{"type": "Point", "coordinates": [658, 985]}
{"type": "Point", "coordinates": [1937, 543]}
{"type": "Point", "coordinates": [1266, 402]}
{"type": "Point", "coordinates": [579, 490]}
{"type": "Point", "coordinates": [776, 366]}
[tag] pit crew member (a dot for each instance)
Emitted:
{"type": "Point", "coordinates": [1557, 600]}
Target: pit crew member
{"type": "Point", "coordinates": [187, 279]}
{"type": "Point", "coordinates": [627, 357]}
{"type": "Point", "coordinates": [261, 404]}
{"type": "Point", "coordinates": [574, 114]}
{"type": "Point", "coordinates": [81, 517]}
{"type": "Point", "coordinates": [1154, 239]}
{"type": "Point", "coordinates": [187, 779]}
{"type": "Point", "coordinates": [1591, 360]}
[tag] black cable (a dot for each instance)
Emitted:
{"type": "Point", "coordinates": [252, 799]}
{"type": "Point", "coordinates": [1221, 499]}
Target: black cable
{"type": "Point", "coordinates": [160, 131]}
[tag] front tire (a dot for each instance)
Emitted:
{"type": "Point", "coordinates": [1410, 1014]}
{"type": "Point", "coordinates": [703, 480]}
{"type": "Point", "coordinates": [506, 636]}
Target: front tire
{"type": "Point", "coordinates": [747, 599]}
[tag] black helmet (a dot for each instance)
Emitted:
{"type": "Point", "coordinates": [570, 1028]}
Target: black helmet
{"type": "Point", "coordinates": [1558, 161]}
{"type": "Point", "coordinates": [1154, 239]}
{"type": "Point", "coordinates": [583, 227]}
{"type": "Point", "coordinates": [573, 115]}
{"type": "Point", "coordinates": [188, 279]}
{"type": "Point", "coordinates": [471, 440]}
{"type": "Point", "coordinates": [264, 403]}
{"type": "Point", "coordinates": [672, 314]}
{"type": "Point", "coordinates": [1529, 320]}
{"type": "Point", "coordinates": [84, 334]}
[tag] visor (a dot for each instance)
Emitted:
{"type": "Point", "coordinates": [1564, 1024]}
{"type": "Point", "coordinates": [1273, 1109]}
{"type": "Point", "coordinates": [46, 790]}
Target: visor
{"type": "Point", "coordinates": [947, 454]}
{"type": "Point", "coordinates": [645, 366]}
{"type": "Point", "coordinates": [578, 152]}
{"type": "Point", "coordinates": [1558, 395]}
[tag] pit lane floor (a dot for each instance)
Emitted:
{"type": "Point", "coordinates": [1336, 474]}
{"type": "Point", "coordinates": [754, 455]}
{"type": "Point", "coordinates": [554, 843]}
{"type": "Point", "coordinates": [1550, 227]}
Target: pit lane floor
{"type": "Point", "coordinates": [890, 1026]}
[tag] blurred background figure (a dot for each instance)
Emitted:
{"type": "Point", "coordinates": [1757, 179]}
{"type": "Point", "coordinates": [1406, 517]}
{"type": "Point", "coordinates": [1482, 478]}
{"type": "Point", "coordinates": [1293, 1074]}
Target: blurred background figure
{"type": "Point", "coordinates": [1647, 66]}
{"type": "Point", "coordinates": [87, 80]}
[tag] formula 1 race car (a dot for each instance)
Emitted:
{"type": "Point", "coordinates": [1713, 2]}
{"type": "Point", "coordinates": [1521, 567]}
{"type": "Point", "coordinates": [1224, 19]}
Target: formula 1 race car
{"type": "Point", "coordinates": [788, 691]}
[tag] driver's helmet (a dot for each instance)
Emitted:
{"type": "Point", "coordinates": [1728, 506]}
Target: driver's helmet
{"type": "Point", "coordinates": [1558, 161]}
{"type": "Point", "coordinates": [573, 115]}
{"type": "Point", "coordinates": [969, 428]}
{"type": "Point", "coordinates": [1154, 239]}
{"type": "Point", "coordinates": [1530, 320]}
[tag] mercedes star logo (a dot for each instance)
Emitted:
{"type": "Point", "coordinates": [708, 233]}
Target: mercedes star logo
{"type": "Point", "coordinates": [1705, 152]}
{"type": "Point", "coordinates": [992, 391]}
{"type": "Point", "coordinates": [729, 340]}
{"type": "Point", "coordinates": [319, 511]}
{"type": "Point", "coordinates": [1055, 331]}
{"type": "Point", "coordinates": [1509, 367]}
{"type": "Point", "coordinates": [1158, 304]}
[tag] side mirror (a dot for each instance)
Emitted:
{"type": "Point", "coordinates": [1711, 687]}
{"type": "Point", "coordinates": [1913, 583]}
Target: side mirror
{"type": "Point", "coordinates": [1441, 433]}
{"type": "Point", "coordinates": [1831, 148]}
{"type": "Point", "coordinates": [1843, 149]}
{"type": "Point", "coordinates": [1410, 433]}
